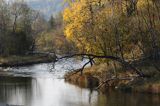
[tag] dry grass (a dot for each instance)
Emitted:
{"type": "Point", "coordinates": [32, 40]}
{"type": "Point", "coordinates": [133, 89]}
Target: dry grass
{"type": "Point", "coordinates": [105, 71]}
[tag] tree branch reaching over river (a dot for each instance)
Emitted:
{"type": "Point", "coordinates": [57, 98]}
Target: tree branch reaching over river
{"type": "Point", "coordinates": [91, 58]}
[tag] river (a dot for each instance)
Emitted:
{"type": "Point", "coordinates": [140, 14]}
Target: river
{"type": "Point", "coordinates": [43, 85]}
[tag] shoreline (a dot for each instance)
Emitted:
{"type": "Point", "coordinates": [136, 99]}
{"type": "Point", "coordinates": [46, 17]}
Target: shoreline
{"type": "Point", "coordinates": [16, 61]}
{"type": "Point", "coordinates": [94, 76]}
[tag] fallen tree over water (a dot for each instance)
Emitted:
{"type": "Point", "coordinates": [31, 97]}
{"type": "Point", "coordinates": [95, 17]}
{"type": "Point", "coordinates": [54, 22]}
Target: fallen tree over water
{"type": "Point", "coordinates": [92, 57]}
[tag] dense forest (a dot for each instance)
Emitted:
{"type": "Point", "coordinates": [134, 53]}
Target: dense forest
{"type": "Point", "coordinates": [24, 30]}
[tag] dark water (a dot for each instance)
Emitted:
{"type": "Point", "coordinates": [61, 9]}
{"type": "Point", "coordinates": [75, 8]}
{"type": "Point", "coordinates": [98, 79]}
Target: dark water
{"type": "Point", "coordinates": [40, 85]}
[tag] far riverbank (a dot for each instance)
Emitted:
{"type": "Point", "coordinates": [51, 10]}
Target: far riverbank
{"type": "Point", "coordinates": [15, 61]}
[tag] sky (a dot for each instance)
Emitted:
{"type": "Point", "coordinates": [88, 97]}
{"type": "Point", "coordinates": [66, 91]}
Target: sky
{"type": "Point", "coordinates": [46, 7]}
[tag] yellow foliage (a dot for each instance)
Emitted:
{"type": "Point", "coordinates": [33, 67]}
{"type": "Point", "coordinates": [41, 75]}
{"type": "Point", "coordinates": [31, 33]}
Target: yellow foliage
{"type": "Point", "coordinates": [101, 27]}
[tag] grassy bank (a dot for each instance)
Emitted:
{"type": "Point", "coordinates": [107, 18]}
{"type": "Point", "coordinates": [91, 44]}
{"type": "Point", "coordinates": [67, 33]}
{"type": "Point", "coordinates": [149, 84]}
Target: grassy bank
{"type": "Point", "coordinates": [128, 80]}
{"type": "Point", "coordinates": [13, 61]}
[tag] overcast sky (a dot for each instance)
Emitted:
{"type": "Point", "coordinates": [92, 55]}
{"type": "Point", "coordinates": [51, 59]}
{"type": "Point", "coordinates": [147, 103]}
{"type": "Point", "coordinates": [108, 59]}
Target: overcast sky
{"type": "Point", "coordinates": [47, 7]}
{"type": "Point", "coordinates": [29, 0]}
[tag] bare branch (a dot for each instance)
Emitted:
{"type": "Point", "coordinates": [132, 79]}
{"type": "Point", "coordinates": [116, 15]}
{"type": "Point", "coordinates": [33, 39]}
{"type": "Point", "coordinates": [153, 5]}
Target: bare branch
{"type": "Point", "coordinates": [118, 59]}
{"type": "Point", "coordinates": [111, 79]}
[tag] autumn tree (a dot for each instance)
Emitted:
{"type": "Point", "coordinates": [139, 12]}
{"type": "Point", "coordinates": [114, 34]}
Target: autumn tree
{"type": "Point", "coordinates": [108, 27]}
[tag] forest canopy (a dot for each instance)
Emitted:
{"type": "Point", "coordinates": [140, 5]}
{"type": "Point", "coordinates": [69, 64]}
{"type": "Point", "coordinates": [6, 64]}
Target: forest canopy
{"type": "Point", "coordinates": [124, 28]}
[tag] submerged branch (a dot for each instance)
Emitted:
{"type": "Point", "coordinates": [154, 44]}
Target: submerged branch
{"type": "Point", "coordinates": [112, 79]}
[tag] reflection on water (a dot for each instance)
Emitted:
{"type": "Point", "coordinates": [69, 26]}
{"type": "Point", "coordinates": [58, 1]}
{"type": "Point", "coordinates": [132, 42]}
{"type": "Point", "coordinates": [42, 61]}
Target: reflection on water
{"type": "Point", "coordinates": [51, 92]}
{"type": "Point", "coordinates": [44, 92]}
{"type": "Point", "coordinates": [15, 91]}
{"type": "Point", "coordinates": [40, 87]}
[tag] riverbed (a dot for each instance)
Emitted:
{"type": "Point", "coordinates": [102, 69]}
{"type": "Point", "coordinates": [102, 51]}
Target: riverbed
{"type": "Point", "coordinates": [44, 85]}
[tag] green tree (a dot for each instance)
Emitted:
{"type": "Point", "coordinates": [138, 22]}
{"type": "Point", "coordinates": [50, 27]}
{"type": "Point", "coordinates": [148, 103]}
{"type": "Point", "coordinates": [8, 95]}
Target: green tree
{"type": "Point", "coordinates": [52, 22]}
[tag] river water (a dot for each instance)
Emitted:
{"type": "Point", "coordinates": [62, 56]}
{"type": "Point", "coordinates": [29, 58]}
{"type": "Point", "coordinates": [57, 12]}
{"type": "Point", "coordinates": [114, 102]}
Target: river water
{"type": "Point", "coordinates": [43, 85]}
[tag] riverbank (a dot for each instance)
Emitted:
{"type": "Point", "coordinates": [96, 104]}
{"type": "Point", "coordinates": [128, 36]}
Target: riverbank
{"type": "Point", "coordinates": [15, 61]}
{"type": "Point", "coordinates": [105, 76]}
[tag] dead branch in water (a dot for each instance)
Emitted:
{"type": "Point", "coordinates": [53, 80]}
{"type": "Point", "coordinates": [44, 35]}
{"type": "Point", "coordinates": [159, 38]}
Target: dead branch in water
{"type": "Point", "coordinates": [111, 79]}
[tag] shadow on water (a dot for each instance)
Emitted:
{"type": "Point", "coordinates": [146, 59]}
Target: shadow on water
{"type": "Point", "coordinates": [14, 90]}
{"type": "Point", "coordinates": [118, 98]}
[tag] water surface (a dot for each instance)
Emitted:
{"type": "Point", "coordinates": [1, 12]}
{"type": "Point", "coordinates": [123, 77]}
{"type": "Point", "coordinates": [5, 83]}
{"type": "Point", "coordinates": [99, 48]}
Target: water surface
{"type": "Point", "coordinates": [43, 85]}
